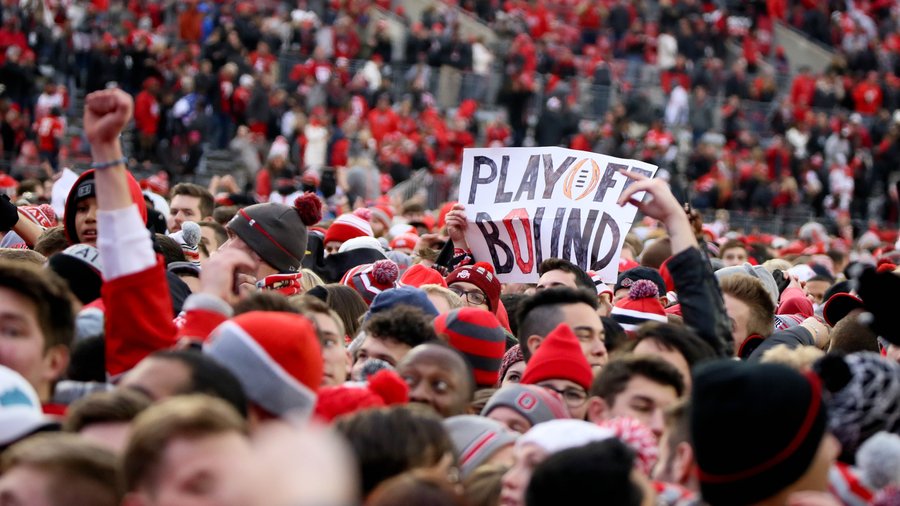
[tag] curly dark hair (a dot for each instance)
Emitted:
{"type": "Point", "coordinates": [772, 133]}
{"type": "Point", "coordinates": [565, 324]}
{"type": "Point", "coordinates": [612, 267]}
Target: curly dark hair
{"type": "Point", "coordinates": [404, 324]}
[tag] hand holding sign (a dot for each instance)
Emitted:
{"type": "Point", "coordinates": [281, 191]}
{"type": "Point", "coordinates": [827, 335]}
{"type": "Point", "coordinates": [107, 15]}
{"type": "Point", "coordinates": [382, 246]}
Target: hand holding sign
{"type": "Point", "coordinates": [522, 205]}
{"type": "Point", "coordinates": [456, 226]}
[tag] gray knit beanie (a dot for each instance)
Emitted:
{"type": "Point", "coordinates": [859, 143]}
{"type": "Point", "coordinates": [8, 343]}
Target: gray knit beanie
{"type": "Point", "coordinates": [276, 232]}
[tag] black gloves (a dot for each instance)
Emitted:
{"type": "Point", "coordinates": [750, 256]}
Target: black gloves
{"type": "Point", "coordinates": [9, 214]}
{"type": "Point", "coordinates": [782, 279]}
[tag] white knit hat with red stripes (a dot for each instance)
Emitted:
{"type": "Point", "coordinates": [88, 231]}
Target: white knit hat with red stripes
{"type": "Point", "coordinates": [348, 226]}
{"type": "Point", "coordinates": [371, 279]}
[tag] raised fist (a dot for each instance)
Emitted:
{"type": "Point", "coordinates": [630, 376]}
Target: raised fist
{"type": "Point", "coordinates": [106, 113]}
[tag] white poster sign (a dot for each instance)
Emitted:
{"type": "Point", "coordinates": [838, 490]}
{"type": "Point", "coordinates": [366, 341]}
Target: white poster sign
{"type": "Point", "coordinates": [525, 205]}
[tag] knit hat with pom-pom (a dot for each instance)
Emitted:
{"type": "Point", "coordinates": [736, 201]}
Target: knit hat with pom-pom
{"type": "Point", "coordinates": [384, 388]}
{"type": "Point", "coordinates": [276, 357]}
{"type": "Point", "coordinates": [276, 232]}
{"type": "Point", "coordinates": [350, 225]}
{"type": "Point", "coordinates": [481, 275]}
{"type": "Point", "coordinates": [642, 305]}
{"type": "Point", "coordinates": [371, 279]}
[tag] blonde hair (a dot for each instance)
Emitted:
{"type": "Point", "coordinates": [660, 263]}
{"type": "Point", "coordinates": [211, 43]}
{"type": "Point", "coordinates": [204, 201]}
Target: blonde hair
{"type": "Point", "coordinates": [801, 358]}
{"type": "Point", "coordinates": [453, 300]}
{"type": "Point", "coordinates": [776, 263]}
{"type": "Point", "coordinates": [310, 280]}
{"type": "Point", "coordinates": [23, 255]}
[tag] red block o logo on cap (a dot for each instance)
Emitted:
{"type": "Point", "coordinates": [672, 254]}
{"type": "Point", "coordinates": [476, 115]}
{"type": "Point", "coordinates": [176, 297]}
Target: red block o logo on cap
{"type": "Point", "coordinates": [526, 401]}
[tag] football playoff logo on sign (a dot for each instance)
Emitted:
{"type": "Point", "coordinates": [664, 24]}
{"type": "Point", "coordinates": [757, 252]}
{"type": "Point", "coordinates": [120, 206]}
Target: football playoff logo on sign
{"type": "Point", "coordinates": [584, 176]}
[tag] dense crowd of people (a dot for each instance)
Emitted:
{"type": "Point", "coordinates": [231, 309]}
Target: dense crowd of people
{"type": "Point", "coordinates": [295, 332]}
{"type": "Point", "coordinates": [237, 353]}
{"type": "Point", "coordinates": [327, 88]}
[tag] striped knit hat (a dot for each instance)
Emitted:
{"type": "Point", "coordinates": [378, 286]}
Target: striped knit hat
{"type": "Point", "coordinates": [371, 279]}
{"type": "Point", "coordinates": [476, 439]}
{"type": "Point", "coordinates": [535, 403]}
{"type": "Point", "coordinates": [348, 226]}
{"type": "Point", "coordinates": [478, 335]}
{"type": "Point", "coordinates": [641, 305]}
{"type": "Point", "coordinates": [276, 357]}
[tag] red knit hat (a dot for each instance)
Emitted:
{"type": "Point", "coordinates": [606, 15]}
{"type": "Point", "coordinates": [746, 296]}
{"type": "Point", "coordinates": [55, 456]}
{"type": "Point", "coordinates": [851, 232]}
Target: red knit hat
{"type": "Point", "coordinates": [276, 357]}
{"type": "Point", "coordinates": [559, 357]}
{"type": "Point", "coordinates": [348, 226]}
{"type": "Point", "coordinates": [478, 335]}
{"type": "Point", "coordinates": [406, 241]}
{"type": "Point", "coordinates": [641, 305]}
{"type": "Point", "coordinates": [371, 279]}
{"type": "Point", "coordinates": [419, 275]}
{"type": "Point", "coordinates": [481, 275]}
{"type": "Point", "coordinates": [384, 388]}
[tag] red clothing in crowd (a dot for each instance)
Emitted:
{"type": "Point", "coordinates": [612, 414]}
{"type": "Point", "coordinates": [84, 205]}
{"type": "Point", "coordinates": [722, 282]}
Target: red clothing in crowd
{"type": "Point", "coordinates": [239, 101]}
{"type": "Point", "coordinates": [190, 25]}
{"type": "Point", "coordinates": [867, 97]}
{"type": "Point", "coordinates": [672, 77]}
{"type": "Point", "coordinates": [803, 90]}
{"type": "Point", "coordinates": [580, 142]}
{"type": "Point", "coordinates": [146, 113]}
{"type": "Point", "coordinates": [382, 122]}
{"type": "Point", "coordinates": [50, 130]}
{"type": "Point", "coordinates": [262, 62]}
{"type": "Point", "coordinates": [346, 45]}
{"type": "Point", "coordinates": [497, 133]}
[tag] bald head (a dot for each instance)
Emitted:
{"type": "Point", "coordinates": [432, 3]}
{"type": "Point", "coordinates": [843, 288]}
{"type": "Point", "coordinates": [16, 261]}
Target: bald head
{"type": "Point", "coordinates": [438, 376]}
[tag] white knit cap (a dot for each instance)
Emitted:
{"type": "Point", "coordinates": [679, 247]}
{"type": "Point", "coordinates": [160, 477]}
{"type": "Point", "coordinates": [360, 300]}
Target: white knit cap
{"type": "Point", "coordinates": [562, 434]}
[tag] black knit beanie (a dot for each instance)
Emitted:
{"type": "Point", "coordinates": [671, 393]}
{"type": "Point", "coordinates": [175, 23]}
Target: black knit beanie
{"type": "Point", "coordinates": [276, 232]}
{"type": "Point", "coordinates": [756, 429]}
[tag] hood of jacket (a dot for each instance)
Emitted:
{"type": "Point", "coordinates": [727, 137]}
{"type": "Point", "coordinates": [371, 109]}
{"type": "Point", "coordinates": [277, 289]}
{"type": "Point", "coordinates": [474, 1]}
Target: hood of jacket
{"type": "Point", "coordinates": [72, 203]}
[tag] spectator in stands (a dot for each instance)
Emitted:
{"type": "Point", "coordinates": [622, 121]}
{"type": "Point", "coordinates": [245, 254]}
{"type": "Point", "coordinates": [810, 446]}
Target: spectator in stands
{"type": "Point", "coordinates": [190, 202]}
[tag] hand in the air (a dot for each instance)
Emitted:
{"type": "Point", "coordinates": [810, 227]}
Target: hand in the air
{"type": "Point", "coordinates": [106, 113]}
{"type": "Point", "coordinates": [658, 202]}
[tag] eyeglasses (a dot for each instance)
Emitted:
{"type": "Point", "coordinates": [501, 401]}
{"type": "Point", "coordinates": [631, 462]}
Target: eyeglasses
{"type": "Point", "coordinates": [574, 397]}
{"type": "Point", "coordinates": [474, 297]}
